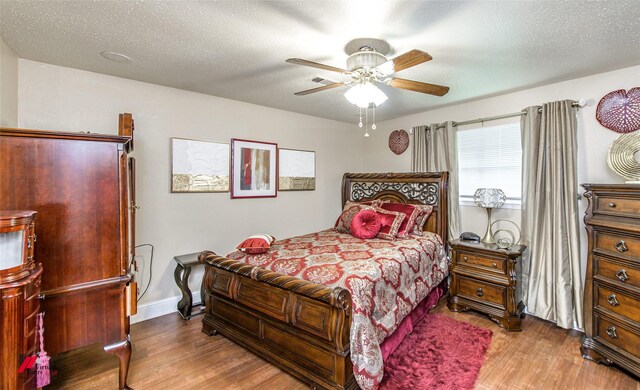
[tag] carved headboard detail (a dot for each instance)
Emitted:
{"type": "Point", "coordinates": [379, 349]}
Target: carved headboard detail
{"type": "Point", "coordinates": [429, 188]}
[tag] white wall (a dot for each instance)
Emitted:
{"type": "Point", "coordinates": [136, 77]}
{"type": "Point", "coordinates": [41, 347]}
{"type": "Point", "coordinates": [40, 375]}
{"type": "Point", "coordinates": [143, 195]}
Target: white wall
{"type": "Point", "coordinates": [53, 97]}
{"type": "Point", "coordinates": [593, 139]}
{"type": "Point", "coordinates": [8, 86]}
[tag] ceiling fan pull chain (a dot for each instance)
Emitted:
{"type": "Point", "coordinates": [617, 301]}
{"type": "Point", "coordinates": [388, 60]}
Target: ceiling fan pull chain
{"type": "Point", "coordinates": [360, 123]}
{"type": "Point", "coordinates": [373, 126]}
{"type": "Point", "coordinates": [366, 122]}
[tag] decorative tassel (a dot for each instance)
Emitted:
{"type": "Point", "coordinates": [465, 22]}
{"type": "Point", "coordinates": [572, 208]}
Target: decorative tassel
{"type": "Point", "coordinates": [43, 377]}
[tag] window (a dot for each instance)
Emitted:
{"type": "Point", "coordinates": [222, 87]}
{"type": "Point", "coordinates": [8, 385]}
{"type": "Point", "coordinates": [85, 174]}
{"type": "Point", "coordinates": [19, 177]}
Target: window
{"type": "Point", "coordinates": [490, 157]}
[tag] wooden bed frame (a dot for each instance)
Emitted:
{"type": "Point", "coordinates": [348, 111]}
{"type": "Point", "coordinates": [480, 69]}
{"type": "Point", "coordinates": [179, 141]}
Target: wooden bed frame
{"type": "Point", "coordinates": [299, 326]}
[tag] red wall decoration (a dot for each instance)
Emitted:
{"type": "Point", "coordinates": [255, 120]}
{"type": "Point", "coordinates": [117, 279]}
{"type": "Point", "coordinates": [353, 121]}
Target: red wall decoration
{"type": "Point", "coordinates": [398, 141]}
{"type": "Point", "coordinates": [620, 110]}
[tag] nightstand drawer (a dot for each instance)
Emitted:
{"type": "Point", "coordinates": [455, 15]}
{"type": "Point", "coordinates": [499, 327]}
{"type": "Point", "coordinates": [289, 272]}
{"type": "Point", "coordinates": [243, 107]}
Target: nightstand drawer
{"type": "Point", "coordinates": [623, 338]}
{"type": "Point", "coordinates": [616, 272]}
{"type": "Point", "coordinates": [617, 245]}
{"type": "Point", "coordinates": [491, 263]}
{"type": "Point", "coordinates": [482, 291]}
{"type": "Point", "coordinates": [627, 207]}
{"type": "Point", "coordinates": [618, 302]}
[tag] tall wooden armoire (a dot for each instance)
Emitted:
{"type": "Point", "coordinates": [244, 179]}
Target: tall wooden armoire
{"type": "Point", "coordinates": [82, 187]}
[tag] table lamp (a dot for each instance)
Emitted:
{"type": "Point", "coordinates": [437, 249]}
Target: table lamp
{"type": "Point", "coordinates": [489, 198]}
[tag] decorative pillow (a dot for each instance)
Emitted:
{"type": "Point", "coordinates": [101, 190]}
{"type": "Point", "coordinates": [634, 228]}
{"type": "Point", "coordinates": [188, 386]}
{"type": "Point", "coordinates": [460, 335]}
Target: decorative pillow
{"type": "Point", "coordinates": [425, 212]}
{"type": "Point", "coordinates": [366, 224]}
{"type": "Point", "coordinates": [259, 243]}
{"type": "Point", "coordinates": [390, 223]}
{"type": "Point", "coordinates": [376, 202]}
{"type": "Point", "coordinates": [411, 213]}
{"type": "Point", "coordinates": [343, 224]}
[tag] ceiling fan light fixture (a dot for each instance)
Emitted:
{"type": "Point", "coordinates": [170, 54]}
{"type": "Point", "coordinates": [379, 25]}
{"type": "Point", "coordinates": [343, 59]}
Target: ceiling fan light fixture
{"type": "Point", "coordinates": [362, 95]}
{"type": "Point", "coordinates": [365, 58]}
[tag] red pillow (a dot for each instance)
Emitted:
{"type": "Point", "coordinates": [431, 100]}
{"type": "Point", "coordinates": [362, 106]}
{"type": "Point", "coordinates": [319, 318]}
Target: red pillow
{"type": "Point", "coordinates": [374, 202]}
{"type": "Point", "coordinates": [259, 243]}
{"type": "Point", "coordinates": [390, 221]}
{"type": "Point", "coordinates": [425, 212]}
{"type": "Point", "coordinates": [411, 213]}
{"type": "Point", "coordinates": [343, 224]}
{"type": "Point", "coordinates": [366, 224]}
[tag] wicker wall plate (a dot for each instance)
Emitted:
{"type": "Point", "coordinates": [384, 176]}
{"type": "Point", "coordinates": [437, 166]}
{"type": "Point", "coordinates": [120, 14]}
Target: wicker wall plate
{"type": "Point", "coordinates": [620, 110]}
{"type": "Point", "coordinates": [398, 141]}
{"type": "Point", "coordinates": [621, 156]}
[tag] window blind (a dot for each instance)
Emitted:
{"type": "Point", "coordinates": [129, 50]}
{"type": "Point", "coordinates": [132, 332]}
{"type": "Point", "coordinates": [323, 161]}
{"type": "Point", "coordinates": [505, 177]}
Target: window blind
{"type": "Point", "coordinates": [490, 157]}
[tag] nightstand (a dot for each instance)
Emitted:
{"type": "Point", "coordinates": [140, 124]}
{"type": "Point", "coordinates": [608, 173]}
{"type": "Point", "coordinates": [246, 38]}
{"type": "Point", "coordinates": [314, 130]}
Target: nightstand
{"type": "Point", "coordinates": [181, 276]}
{"type": "Point", "coordinates": [484, 278]}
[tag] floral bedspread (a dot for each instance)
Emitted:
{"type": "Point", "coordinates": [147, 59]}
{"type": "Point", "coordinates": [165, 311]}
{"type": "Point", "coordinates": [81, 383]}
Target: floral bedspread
{"type": "Point", "coordinates": [387, 279]}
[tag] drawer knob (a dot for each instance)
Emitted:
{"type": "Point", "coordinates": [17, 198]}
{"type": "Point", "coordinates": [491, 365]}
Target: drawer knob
{"type": "Point", "coordinates": [611, 331]}
{"type": "Point", "coordinates": [621, 246]}
{"type": "Point", "coordinates": [494, 265]}
{"type": "Point", "coordinates": [613, 301]}
{"type": "Point", "coordinates": [465, 258]}
{"type": "Point", "coordinates": [612, 205]}
{"type": "Point", "coordinates": [479, 292]}
{"type": "Point", "coordinates": [622, 275]}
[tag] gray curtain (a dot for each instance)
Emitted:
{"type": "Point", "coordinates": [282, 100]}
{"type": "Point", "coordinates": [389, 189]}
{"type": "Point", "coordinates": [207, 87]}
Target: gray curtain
{"type": "Point", "coordinates": [435, 150]}
{"type": "Point", "coordinates": [552, 282]}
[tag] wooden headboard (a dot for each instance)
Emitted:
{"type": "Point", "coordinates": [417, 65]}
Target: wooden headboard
{"type": "Point", "coordinates": [429, 188]}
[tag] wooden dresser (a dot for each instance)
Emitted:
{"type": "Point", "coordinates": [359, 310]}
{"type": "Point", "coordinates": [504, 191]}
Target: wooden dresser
{"type": "Point", "coordinates": [484, 278]}
{"type": "Point", "coordinates": [612, 287]}
{"type": "Point", "coordinates": [19, 300]}
{"type": "Point", "coordinates": [81, 185]}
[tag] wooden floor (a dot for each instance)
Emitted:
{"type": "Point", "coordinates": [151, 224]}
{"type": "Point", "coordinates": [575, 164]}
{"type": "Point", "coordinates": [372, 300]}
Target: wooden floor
{"type": "Point", "coordinates": [170, 353]}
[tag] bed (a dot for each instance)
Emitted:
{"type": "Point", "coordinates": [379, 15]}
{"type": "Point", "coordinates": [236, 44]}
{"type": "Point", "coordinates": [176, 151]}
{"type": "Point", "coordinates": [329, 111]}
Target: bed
{"type": "Point", "coordinates": [287, 309]}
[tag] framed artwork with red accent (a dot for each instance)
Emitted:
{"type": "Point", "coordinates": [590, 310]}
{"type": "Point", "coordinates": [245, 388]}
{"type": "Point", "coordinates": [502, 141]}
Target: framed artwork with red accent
{"type": "Point", "coordinates": [254, 169]}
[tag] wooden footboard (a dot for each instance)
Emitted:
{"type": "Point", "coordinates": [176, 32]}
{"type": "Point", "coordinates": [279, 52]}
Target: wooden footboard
{"type": "Point", "coordinates": [301, 327]}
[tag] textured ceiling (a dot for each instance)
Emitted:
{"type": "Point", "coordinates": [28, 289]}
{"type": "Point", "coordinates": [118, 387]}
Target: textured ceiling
{"type": "Point", "coordinates": [237, 49]}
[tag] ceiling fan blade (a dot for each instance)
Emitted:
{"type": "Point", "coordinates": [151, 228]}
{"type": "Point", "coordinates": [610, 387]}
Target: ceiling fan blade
{"type": "Point", "coordinates": [406, 60]}
{"type": "Point", "coordinates": [416, 86]}
{"type": "Point", "coordinates": [300, 61]}
{"type": "Point", "coordinates": [314, 90]}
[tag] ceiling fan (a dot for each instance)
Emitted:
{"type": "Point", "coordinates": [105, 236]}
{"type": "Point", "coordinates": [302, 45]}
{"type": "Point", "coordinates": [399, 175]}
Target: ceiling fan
{"type": "Point", "coordinates": [367, 65]}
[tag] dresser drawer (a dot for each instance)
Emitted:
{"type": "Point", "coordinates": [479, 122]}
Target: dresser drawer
{"type": "Point", "coordinates": [30, 322]}
{"type": "Point", "coordinates": [617, 245]}
{"type": "Point", "coordinates": [30, 340]}
{"type": "Point", "coordinates": [31, 304]}
{"type": "Point", "coordinates": [494, 264]}
{"type": "Point", "coordinates": [616, 271]}
{"type": "Point", "coordinates": [618, 302]}
{"type": "Point", "coordinates": [32, 288]}
{"type": "Point", "coordinates": [482, 291]}
{"type": "Point", "coordinates": [620, 206]}
{"type": "Point", "coordinates": [623, 338]}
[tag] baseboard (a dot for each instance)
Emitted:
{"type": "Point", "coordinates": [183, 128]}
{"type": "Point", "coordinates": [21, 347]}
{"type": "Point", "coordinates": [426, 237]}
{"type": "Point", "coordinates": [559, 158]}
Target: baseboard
{"type": "Point", "coordinates": [158, 308]}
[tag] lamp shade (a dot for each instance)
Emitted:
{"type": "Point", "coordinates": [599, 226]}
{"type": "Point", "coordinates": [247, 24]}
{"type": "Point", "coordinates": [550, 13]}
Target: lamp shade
{"type": "Point", "coordinates": [489, 197]}
{"type": "Point", "coordinates": [363, 94]}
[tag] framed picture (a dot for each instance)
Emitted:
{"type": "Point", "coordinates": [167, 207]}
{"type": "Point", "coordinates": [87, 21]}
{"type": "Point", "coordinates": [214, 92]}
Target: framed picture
{"type": "Point", "coordinates": [297, 170]}
{"type": "Point", "coordinates": [254, 169]}
{"type": "Point", "coordinates": [199, 166]}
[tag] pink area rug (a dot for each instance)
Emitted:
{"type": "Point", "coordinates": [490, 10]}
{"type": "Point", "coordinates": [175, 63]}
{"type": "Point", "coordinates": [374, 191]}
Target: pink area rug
{"type": "Point", "coordinates": [440, 354]}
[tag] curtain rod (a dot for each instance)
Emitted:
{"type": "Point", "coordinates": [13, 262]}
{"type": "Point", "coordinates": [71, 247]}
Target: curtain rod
{"type": "Point", "coordinates": [578, 104]}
